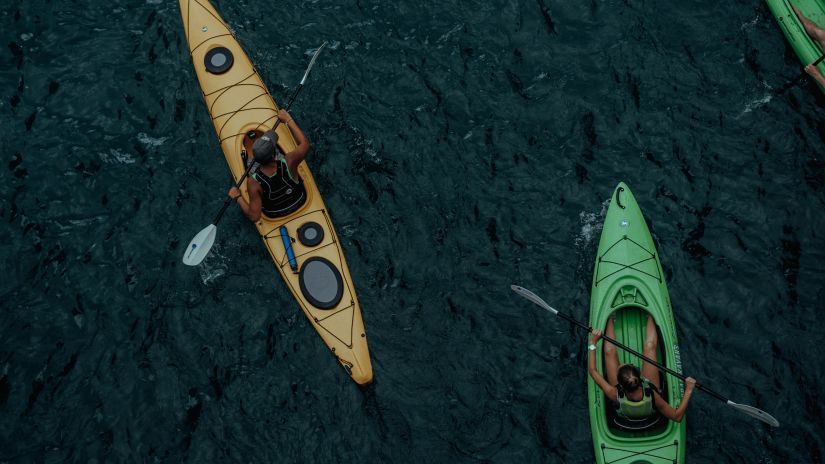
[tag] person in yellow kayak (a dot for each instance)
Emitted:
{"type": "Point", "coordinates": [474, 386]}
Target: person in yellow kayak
{"type": "Point", "coordinates": [275, 189]}
{"type": "Point", "coordinates": [818, 35]}
{"type": "Point", "coordinates": [636, 393]}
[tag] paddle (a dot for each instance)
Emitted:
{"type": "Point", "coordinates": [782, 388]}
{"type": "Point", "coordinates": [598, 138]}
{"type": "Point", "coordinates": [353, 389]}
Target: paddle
{"type": "Point", "coordinates": [199, 246]}
{"type": "Point", "coordinates": [798, 79]}
{"type": "Point", "coordinates": [749, 410]}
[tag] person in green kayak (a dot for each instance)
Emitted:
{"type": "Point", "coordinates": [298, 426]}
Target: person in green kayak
{"type": "Point", "coordinates": [818, 35]}
{"type": "Point", "coordinates": [275, 189]}
{"type": "Point", "coordinates": [636, 393]}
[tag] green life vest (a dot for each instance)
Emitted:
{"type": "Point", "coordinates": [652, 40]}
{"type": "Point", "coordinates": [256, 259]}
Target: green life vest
{"type": "Point", "coordinates": [636, 409]}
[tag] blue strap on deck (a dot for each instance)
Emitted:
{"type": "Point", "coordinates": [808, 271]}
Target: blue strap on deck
{"type": "Point", "coordinates": [290, 255]}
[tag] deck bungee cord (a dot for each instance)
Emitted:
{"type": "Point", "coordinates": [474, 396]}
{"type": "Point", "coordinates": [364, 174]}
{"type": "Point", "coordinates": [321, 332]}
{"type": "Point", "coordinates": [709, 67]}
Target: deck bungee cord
{"type": "Point", "coordinates": [634, 454]}
{"type": "Point", "coordinates": [627, 266]}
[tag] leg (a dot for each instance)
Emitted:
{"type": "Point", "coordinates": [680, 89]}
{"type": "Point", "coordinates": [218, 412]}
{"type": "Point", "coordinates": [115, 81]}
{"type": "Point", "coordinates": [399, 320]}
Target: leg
{"type": "Point", "coordinates": [651, 343]}
{"type": "Point", "coordinates": [813, 30]}
{"type": "Point", "coordinates": [611, 359]}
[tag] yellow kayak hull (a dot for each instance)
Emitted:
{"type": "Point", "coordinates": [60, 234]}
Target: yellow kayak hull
{"type": "Point", "coordinates": [239, 104]}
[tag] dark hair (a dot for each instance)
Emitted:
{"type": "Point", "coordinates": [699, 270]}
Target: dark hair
{"type": "Point", "coordinates": [629, 378]}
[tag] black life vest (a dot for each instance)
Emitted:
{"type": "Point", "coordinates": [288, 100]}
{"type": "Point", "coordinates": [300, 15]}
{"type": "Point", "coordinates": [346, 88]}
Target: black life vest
{"type": "Point", "coordinates": [280, 194]}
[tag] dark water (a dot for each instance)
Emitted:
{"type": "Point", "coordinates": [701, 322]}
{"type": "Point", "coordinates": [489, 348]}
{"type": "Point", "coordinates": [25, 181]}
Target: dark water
{"type": "Point", "coordinates": [461, 147]}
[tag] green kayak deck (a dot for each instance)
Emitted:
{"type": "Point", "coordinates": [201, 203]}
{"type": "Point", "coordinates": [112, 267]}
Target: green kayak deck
{"type": "Point", "coordinates": [628, 281]}
{"type": "Point", "coordinates": [806, 48]}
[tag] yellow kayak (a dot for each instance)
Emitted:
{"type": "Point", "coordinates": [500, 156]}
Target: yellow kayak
{"type": "Point", "coordinates": [303, 245]}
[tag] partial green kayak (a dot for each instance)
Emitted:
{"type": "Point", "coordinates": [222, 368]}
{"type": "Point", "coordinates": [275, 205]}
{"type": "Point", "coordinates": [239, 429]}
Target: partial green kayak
{"type": "Point", "coordinates": [806, 48]}
{"type": "Point", "coordinates": [628, 281]}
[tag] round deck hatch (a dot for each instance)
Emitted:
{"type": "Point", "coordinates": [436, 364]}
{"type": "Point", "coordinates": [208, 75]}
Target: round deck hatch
{"type": "Point", "coordinates": [321, 283]}
{"type": "Point", "coordinates": [218, 60]}
{"type": "Point", "coordinates": [310, 234]}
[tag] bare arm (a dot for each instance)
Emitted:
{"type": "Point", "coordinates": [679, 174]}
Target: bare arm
{"type": "Point", "coordinates": [608, 389]}
{"type": "Point", "coordinates": [252, 208]}
{"type": "Point", "coordinates": [294, 158]}
{"type": "Point", "coordinates": [667, 410]}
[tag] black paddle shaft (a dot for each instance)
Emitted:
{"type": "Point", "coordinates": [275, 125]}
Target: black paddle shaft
{"type": "Point", "coordinates": [802, 76]}
{"type": "Point", "coordinates": [292, 99]}
{"type": "Point", "coordinates": [636, 353]}
{"type": "Point", "coordinates": [229, 201]}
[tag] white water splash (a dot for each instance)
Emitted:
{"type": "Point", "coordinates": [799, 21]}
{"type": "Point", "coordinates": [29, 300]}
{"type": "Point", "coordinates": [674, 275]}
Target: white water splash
{"type": "Point", "coordinates": [452, 31]}
{"type": "Point", "coordinates": [117, 156]}
{"type": "Point", "coordinates": [371, 152]}
{"type": "Point", "coordinates": [750, 24]}
{"type": "Point", "coordinates": [368, 22]}
{"type": "Point", "coordinates": [70, 224]}
{"type": "Point", "coordinates": [348, 230]}
{"type": "Point", "coordinates": [150, 142]}
{"type": "Point", "coordinates": [213, 266]}
{"type": "Point", "coordinates": [591, 225]}
{"type": "Point", "coordinates": [368, 146]}
{"type": "Point", "coordinates": [752, 105]}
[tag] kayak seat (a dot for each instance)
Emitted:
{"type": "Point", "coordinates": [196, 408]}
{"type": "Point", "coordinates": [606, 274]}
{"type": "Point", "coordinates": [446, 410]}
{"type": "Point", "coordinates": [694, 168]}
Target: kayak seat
{"type": "Point", "coordinates": [636, 425]}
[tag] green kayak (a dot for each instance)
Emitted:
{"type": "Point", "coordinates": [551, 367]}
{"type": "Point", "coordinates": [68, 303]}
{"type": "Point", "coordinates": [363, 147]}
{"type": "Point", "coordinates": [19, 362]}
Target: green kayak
{"type": "Point", "coordinates": [806, 49]}
{"type": "Point", "coordinates": [628, 281]}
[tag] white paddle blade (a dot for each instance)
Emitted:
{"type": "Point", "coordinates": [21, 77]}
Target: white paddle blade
{"type": "Point", "coordinates": [532, 297]}
{"type": "Point", "coordinates": [199, 246]}
{"type": "Point", "coordinates": [312, 61]}
{"type": "Point", "coordinates": [755, 413]}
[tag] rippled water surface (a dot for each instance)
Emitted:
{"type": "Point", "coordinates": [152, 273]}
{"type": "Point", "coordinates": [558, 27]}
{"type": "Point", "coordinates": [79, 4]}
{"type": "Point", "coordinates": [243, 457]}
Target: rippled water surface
{"type": "Point", "coordinates": [460, 147]}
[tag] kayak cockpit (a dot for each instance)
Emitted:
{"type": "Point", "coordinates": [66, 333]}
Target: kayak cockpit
{"type": "Point", "coordinates": [629, 324]}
